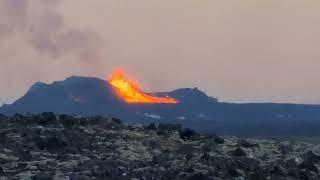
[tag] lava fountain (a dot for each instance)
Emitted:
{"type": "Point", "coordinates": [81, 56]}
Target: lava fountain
{"type": "Point", "coordinates": [130, 91]}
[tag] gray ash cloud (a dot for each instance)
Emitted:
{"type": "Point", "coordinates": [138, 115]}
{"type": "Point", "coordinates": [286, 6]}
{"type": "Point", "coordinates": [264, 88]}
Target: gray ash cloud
{"type": "Point", "coordinates": [45, 28]}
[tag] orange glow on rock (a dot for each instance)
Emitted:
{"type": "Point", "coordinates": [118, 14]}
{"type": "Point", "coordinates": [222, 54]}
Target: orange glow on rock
{"type": "Point", "coordinates": [130, 91]}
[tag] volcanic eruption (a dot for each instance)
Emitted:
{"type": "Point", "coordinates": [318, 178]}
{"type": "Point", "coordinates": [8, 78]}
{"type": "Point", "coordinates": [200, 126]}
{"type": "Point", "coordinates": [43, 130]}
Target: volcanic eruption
{"type": "Point", "coordinates": [130, 91]}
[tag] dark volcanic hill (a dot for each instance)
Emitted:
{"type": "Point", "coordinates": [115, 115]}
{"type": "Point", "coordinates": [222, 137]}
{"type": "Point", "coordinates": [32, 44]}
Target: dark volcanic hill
{"type": "Point", "coordinates": [88, 96]}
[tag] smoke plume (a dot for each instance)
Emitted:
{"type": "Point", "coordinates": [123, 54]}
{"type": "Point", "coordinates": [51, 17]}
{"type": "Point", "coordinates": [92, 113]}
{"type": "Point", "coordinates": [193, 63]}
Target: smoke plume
{"type": "Point", "coordinates": [45, 28]}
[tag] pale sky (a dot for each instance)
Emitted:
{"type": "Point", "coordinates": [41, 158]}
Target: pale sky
{"type": "Point", "coordinates": [235, 50]}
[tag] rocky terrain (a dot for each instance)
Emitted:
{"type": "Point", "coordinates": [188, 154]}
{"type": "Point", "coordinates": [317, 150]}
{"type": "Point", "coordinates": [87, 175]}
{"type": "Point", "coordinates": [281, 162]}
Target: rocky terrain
{"type": "Point", "coordinates": [49, 146]}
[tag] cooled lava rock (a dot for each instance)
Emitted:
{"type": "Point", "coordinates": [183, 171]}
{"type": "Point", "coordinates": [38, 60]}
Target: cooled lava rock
{"type": "Point", "coordinates": [189, 134]}
{"type": "Point", "coordinates": [51, 146]}
{"type": "Point", "coordinates": [169, 127]}
{"type": "Point", "coordinates": [218, 140]}
{"type": "Point", "coordinates": [246, 144]}
{"type": "Point", "coordinates": [310, 161]}
{"type": "Point", "coordinates": [238, 152]}
{"type": "Point", "coordinates": [152, 126]}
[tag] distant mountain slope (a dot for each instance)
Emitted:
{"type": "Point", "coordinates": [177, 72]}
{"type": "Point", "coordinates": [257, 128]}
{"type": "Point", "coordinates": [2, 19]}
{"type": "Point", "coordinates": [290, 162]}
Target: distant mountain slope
{"type": "Point", "coordinates": [89, 96]}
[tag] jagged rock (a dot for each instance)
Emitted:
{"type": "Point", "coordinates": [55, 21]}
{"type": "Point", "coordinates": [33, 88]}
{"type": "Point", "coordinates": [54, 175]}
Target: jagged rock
{"type": "Point", "coordinates": [46, 117]}
{"type": "Point", "coordinates": [24, 155]}
{"type": "Point", "coordinates": [218, 140]}
{"type": "Point", "coordinates": [279, 170]}
{"type": "Point", "coordinates": [238, 152]}
{"type": "Point", "coordinates": [68, 121]}
{"type": "Point", "coordinates": [51, 143]}
{"type": "Point", "coordinates": [284, 148]}
{"type": "Point", "coordinates": [2, 117]}
{"type": "Point", "coordinates": [116, 121]}
{"type": "Point", "coordinates": [189, 134]}
{"type": "Point", "coordinates": [5, 158]}
{"type": "Point", "coordinates": [199, 176]}
{"type": "Point", "coordinates": [169, 127]}
{"type": "Point", "coordinates": [43, 176]}
{"type": "Point", "coordinates": [1, 172]}
{"type": "Point", "coordinates": [246, 144]}
{"type": "Point", "coordinates": [79, 177]}
{"type": "Point", "coordinates": [209, 146]}
{"type": "Point", "coordinates": [152, 126]}
{"type": "Point", "coordinates": [309, 161]}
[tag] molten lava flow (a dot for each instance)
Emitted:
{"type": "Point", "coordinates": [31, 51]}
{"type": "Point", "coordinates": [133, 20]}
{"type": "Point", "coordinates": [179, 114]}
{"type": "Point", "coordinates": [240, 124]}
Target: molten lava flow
{"type": "Point", "coordinates": [130, 91]}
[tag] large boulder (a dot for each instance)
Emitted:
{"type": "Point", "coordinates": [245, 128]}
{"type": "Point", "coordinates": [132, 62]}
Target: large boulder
{"type": "Point", "coordinates": [310, 161]}
{"type": "Point", "coordinates": [189, 134]}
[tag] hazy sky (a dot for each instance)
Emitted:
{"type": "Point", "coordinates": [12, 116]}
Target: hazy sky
{"type": "Point", "coordinates": [239, 51]}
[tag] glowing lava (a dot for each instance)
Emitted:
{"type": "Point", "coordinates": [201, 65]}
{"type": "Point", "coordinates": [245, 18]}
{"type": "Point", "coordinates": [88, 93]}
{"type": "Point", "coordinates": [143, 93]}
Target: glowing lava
{"type": "Point", "coordinates": [130, 91]}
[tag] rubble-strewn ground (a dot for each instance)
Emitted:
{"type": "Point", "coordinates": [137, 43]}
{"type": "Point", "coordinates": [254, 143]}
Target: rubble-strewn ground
{"type": "Point", "coordinates": [47, 146]}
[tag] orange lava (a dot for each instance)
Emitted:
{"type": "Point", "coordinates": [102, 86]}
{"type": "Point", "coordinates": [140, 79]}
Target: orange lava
{"type": "Point", "coordinates": [130, 91]}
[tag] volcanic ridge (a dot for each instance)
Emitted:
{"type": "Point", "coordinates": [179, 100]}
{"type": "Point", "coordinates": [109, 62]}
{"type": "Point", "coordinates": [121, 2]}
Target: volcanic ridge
{"type": "Point", "coordinates": [123, 98]}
